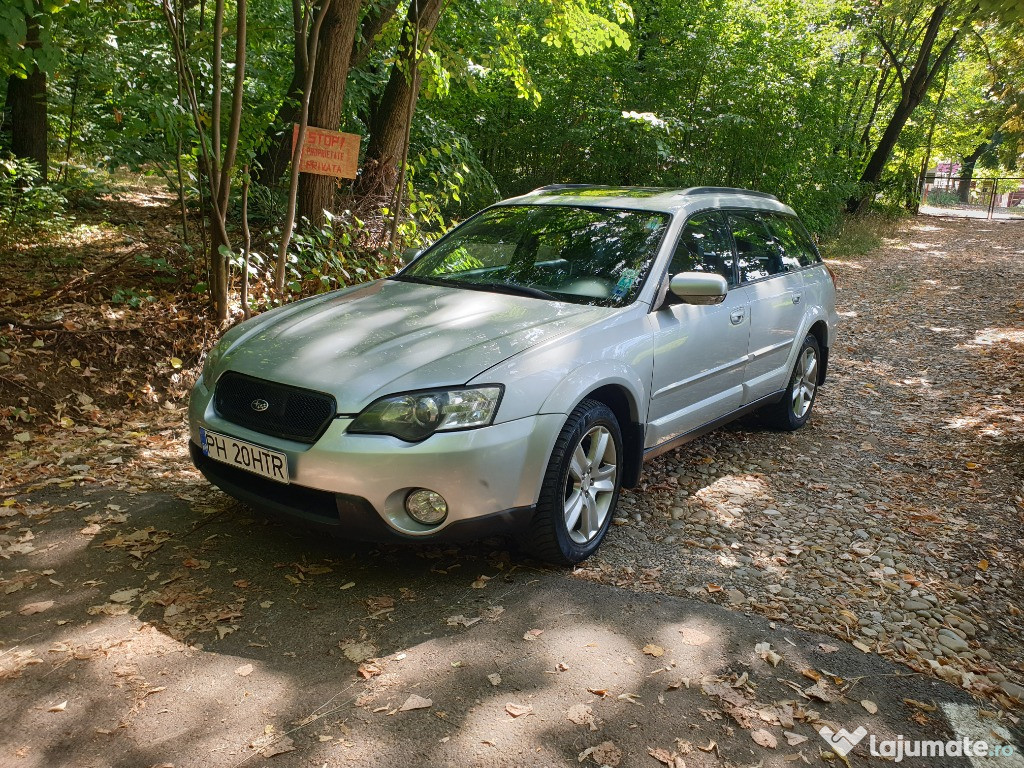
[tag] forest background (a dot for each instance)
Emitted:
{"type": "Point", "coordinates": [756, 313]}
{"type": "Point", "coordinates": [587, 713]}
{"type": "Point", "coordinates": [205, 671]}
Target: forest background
{"type": "Point", "coordinates": [839, 107]}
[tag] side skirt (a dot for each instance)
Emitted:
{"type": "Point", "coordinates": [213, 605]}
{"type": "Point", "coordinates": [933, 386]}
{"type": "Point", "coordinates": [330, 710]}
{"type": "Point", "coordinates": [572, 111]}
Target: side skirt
{"type": "Point", "coordinates": [692, 435]}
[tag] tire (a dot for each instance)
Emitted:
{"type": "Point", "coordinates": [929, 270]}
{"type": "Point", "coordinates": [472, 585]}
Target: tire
{"type": "Point", "coordinates": [794, 409]}
{"type": "Point", "coordinates": [581, 487]}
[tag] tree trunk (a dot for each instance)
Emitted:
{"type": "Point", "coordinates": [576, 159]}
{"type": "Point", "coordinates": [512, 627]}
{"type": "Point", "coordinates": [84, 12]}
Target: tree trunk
{"type": "Point", "coordinates": [914, 86]}
{"type": "Point", "coordinates": [963, 189]}
{"type": "Point", "coordinates": [26, 99]}
{"type": "Point", "coordinates": [388, 120]}
{"type": "Point", "coordinates": [273, 159]}
{"type": "Point", "coordinates": [316, 192]}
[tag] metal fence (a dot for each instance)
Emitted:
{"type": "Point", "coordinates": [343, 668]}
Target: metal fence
{"type": "Point", "coordinates": [947, 195]}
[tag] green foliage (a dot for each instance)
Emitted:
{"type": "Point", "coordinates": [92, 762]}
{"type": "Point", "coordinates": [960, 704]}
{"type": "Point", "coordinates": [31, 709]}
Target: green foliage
{"type": "Point", "coordinates": [25, 203]}
{"type": "Point", "coordinates": [324, 258]}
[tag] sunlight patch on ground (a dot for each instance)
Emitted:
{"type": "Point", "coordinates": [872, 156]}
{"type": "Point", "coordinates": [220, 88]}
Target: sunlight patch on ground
{"type": "Point", "coordinates": [989, 336]}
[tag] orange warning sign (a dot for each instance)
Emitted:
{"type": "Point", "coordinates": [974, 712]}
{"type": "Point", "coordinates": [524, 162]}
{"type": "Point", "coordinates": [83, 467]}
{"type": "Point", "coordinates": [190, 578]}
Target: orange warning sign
{"type": "Point", "coordinates": [329, 153]}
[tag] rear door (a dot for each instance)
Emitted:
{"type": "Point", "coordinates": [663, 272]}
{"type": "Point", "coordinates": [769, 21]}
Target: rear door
{"type": "Point", "coordinates": [699, 351]}
{"type": "Point", "coordinates": [772, 282]}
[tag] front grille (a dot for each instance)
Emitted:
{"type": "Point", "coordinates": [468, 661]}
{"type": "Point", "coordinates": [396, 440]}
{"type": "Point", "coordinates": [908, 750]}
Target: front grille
{"type": "Point", "coordinates": [291, 413]}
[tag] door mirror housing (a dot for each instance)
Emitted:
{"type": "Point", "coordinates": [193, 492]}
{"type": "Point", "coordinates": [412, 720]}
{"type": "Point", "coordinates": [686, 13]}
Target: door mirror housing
{"type": "Point", "coordinates": [703, 288]}
{"type": "Point", "coordinates": [409, 255]}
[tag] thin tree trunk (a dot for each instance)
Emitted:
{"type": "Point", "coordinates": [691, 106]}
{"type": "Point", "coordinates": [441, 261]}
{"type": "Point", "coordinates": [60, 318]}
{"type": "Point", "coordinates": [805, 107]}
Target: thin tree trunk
{"type": "Point", "coordinates": [246, 245]}
{"type": "Point", "coordinates": [26, 98]}
{"type": "Point", "coordinates": [927, 159]}
{"type": "Point", "coordinates": [388, 123]}
{"type": "Point", "coordinates": [967, 173]}
{"type": "Point", "coordinates": [309, 66]}
{"type": "Point", "coordinates": [914, 86]}
{"type": "Point", "coordinates": [327, 98]}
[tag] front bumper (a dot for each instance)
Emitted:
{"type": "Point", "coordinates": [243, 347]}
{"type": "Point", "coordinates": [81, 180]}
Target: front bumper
{"type": "Point", "coordinates": [356, 485]}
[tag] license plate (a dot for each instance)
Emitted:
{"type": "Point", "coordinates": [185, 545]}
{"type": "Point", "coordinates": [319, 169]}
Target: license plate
{"type": "Point", "coordinates": [238, 453]}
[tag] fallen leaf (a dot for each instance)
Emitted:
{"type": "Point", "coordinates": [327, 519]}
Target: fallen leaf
{"type": "Point", "coordinates": [764, 738]}
{"type": "Point", "coordinates": [176, 362]}
{"type": "Point", "coordinates": [533, 634]}
{"type": "Point", "coordinates": [581, 714]}
{"type": "Point", "coordinates": [983, 565]}
{"type": "Point", "coordinates": [455, 621]}
{"type": "Point", "coordinates": [367, 670]}
{"type": "Point", "coordinates": [518, 710]}
{"type": "Point", "coordinates": [826, 648]}
{"type": "Point", "coordinates": [714, 588]}
{"type": "Point", "coordinates": [605, 753]}
{"type": "Point", "coordinates": [820, 692]}
{"type": "Point", "coordinates": [279, 747]}
{"type": "Point", "coordinates": [91, 529]}
{"type": "Point", "coordinates": [124, 595]}
{"type": "Point", "coordinates": [481, 582]}
{"type": "Point", "coordinates": [356, 652]}
{"type": "Point", "coordinates": [244, 671]}
{"type": "Point", "coordinates": [58, 707]}
{"type": "Point", "coordinates": [794, 739]}
{"type": "Point", "coordinates": [495, 678]}
{"type": "Point", "coordinates": [869, 706]}
{"type": "Point", "coordinates": [920, 705]}
{"type": "Point", "coordinates": [654, 650]}
{"type": "Point", "coordinates": [415, 702]}
{"type": "Point", "coordinates": [31, 608]}
{"type": "Point", "coordinates": [22, 437]}
{"type": "Point", "coordinates": [670, 759]}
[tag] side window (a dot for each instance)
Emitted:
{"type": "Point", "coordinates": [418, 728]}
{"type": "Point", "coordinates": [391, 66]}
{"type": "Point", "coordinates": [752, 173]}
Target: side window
{"type": "Point", "coordinates": [794, 240]}
{"type": "Point", "coordinates": [704, 246]}
{"type": "Point", "coordinates": [758, 252]}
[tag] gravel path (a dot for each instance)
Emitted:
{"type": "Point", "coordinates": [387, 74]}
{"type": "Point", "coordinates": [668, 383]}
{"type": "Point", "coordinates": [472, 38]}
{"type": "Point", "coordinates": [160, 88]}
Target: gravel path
{"type": "Point", "coordinates": [895, 519]}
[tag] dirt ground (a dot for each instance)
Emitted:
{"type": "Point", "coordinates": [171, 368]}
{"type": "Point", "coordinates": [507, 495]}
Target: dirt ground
{"type": "Point", "coordinates": [148, 620]}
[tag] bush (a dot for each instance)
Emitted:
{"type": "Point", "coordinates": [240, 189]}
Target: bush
{"type": "Point", "coordinates": [25, 203]}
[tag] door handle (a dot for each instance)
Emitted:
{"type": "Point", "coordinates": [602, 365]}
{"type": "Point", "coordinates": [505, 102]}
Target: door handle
{"type": "Point", "coordinates": [796, 298]}
{"type": "Point", "coordinates": [737, 316]}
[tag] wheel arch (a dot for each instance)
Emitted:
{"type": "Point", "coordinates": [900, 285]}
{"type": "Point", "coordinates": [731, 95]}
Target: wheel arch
{"type": "Point", "coordinates": [819, 330]}
{"type": "Point", "coordinates": [623, 405]}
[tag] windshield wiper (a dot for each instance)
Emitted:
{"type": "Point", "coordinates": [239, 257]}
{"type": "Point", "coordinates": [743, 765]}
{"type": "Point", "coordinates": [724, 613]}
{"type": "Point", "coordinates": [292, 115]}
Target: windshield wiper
{"type": "Point", "coordinates": [515, 290]}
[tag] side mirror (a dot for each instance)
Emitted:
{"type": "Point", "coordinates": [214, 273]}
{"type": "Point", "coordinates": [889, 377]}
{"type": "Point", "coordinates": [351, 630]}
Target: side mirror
{"type": "Point", "coordinates": [699, 287]}
{"type": "Point", "coordinates": [409, 255]}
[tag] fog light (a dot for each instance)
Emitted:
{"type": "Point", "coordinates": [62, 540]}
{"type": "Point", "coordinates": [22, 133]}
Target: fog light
{"type": "Point", "coordinates": [426, 506]}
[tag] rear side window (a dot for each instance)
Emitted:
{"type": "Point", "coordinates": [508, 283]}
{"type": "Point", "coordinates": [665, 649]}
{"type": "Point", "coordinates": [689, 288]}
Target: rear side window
{"type": "Point", "coordinates": [704, 246]}
{"type": "Point", "coordinates": [758, 252]}
{"type": "Point", "coordinates": [795, 242]}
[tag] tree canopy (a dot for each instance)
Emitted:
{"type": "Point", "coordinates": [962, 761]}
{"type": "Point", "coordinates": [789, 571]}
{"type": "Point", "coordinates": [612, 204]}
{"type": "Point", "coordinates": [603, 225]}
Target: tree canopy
{"type": "Point", "coordinates": [829, 104]}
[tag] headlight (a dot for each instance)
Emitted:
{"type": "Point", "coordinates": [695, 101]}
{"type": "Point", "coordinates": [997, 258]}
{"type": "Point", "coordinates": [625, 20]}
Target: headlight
{"type": "Point", "coordinates": [210, 364]}
{"type": "Point", "coordinates": [418, 415]}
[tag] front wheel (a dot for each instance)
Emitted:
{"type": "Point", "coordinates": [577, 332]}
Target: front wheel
{"type": "Point", "coordinates": [580, 488]}
{"type": "Point", "coordinates": [794, 409]}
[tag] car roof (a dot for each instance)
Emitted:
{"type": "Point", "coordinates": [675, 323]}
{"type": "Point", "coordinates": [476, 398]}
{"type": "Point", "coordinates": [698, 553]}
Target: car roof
{"type": "Point", "coordinates": [686, 201]}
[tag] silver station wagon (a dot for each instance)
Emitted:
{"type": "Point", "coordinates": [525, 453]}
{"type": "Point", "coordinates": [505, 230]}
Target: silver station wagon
{"type": "Point", "coordinates": [514, 376]}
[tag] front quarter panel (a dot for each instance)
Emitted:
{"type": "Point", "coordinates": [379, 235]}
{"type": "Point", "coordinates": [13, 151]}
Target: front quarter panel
{"type": "Point", "coordinates": [553, 377]}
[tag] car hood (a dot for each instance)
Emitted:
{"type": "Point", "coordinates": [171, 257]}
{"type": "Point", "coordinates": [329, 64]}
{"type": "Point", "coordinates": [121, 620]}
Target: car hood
{"type": "Point", "coordinates": [391, 336]}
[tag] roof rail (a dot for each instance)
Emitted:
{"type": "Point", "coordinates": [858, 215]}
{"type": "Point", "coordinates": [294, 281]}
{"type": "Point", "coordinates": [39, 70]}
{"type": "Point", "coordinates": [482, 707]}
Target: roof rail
{"type": "Point", "coordinates": [552, 187]}
{"type": "Point", "coordinates": [731, 190]}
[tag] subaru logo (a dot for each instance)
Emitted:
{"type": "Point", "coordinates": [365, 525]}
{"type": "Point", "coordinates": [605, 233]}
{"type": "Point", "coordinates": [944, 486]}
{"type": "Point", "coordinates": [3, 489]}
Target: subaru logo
{"type": "Point", "coordinates": [259, 405]}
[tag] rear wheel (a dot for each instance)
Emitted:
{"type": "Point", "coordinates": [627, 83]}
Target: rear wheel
{"type": "Point", "coordinates": [581, 486]}
{"type": "Point", "coordinates": [794, 409]}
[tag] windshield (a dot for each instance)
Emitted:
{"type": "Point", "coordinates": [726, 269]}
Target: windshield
{"type": "Point", "coordinates": [582, 255]}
